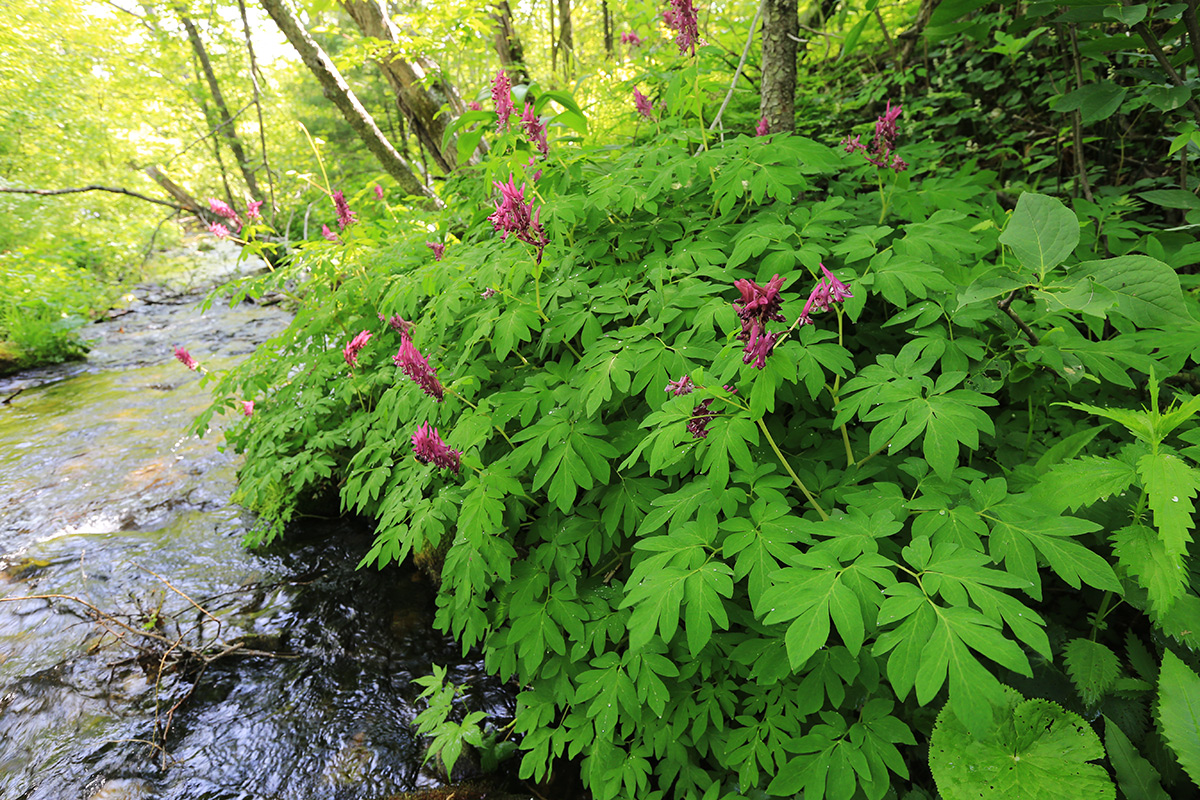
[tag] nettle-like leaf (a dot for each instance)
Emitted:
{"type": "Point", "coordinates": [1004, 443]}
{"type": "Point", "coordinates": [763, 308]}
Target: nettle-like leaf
{"type": "Point", "coordinates": [1179, 712]}
{"type": "Point", "coordinates": [1083, 482]}
{"type": "Point", "coordinates": [1170, 486]}
{"type": "Point", "coordinates": [1144, 556]}
{"type": "Point", "coordinates": [1136, 776]}
{"type": "Point", "coordinates": [1031, 750]}
{"type": "Point", "coordinates": [1093, 668]}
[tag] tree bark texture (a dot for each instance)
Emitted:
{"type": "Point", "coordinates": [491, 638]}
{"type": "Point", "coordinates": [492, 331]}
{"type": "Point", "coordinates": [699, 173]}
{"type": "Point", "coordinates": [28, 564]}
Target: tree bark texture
{"type": "Point", "coordinates": [228, 130]}
{"type": "Point", "coordinates": [781, 26]}
{"type": "Point", "coordinates": [508, 44]}
{"type": "Point", "coordinates": [338, 92]}
{"type": "Point", "coordinates": [608, 28]}
{"type": "Point", "coordinates": [419, 96]}
{"type": "Point", "coordinates": [566, 37]}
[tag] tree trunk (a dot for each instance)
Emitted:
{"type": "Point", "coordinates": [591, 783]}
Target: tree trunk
{"type": "Point", "coordinates": [608, 28]}
{"type": "Point", "coordinates": [228, 130]}
{"type": "Point", "coordinates": [909, 37]}
{"type": "Point", "coordinates": [418, 96]}
{"type": "Point", "coordinates": [339, 93]}
{"type": "Point", "coordinates": [508, 44]}
{"type": "Point", "coordinates": [781, 26]}
{"type": "Point", "coordinates": [566, 37]}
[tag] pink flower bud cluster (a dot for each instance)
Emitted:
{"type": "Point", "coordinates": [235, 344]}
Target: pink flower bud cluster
{"type": "Point", "coordinates": [882, 150]}
{"type": "Point", "coordinates": [186, 359]}
{"type": "Point", "coordinates": [682, 18]}
{"type": "Point", "coordinates": [218, 230]}
{"type": "Point", "coordinates": [416, 367]}
{"type": "Point", "coordinates": [252, 209]}
{"type": "Point", "coordinates": [702, 414]}
{"type": "Point", "coordinates": [378, 192]}
{"type": "Point", "coordinates": [760, 305]}
{"type": "Point", "coordinates": [345, 216]}
{"type": "Point", "coordinates": [351, 350]}
{"type": "Point", "coordinates": [223, 209]}
{"type": "Point", "coordinates": [535, 129]}
{"type": "Point", "coordinates": [829, 290]}
{"type": "Point", "coordinates": [502, 99]}
{"type": "Point", "coordinates": [632, 39]}
{"type": "Point", "coordinates": [438, 249]}
{"type": "Point", "coordinates": [643, 104]}
{"type": "Point", "coordinates": [328, 234]}
{"type": "Point", "coordinates": [515, 216]}
{"type": "Point", "coordinates": [429, 448]}
{"type": "Point", "coordinates": [763, 128]}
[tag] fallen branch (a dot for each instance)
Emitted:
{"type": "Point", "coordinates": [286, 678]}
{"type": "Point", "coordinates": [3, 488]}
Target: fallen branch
{"type": "Point", "coordinates": [95, 187]}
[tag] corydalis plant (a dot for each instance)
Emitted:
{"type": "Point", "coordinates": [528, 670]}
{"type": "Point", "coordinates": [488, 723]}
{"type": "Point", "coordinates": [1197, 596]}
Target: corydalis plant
{"type": "Point", "coordinates": [829, 290]}
{"type": "Point", "coordinates": [502, 98]}
{"type": "Point", "coordinates": [223, 209]}
{"type": "Point", "coordinates": [535, 129]}
{"type": "Point", "coordinates": [351, 350]}
{"type": "Point", "coordinates": [345, 216]}
{"type": "Point", "coordinates": [643, 104]}
{"type": "Point", "coordinates": [760, 305]}
{"type": "Point", "coordinates": [185, 358]}
{"type": "Point", "coordinates": [682, 18]}
{"type": "Point", "coordinates": [416, 367]}
{"type": "Point", "coordinates": [515, 216]}
{"type": "Point", "coordinates": [882, 152]}
{"type": "Point", "coordinates": [428, 448]}
{"type": "Point", "coordinates": [438, 249]}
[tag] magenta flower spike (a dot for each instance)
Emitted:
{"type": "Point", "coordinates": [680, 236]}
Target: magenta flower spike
{"type": "Point", "coordinates": [345, 216]}
{"type": "Point", "coordinates": [632, 39]}
{"type": "Point", "coordinates": [398, 323]}
{"type": "Point", "coordinates": [535, 129]}
{"type": "Point", "coordinates": [218, 230]}
{"type": "Point", "coordinates": [683, 19]}
{"type": "Point", "coordinates": [502, 99]}
{"type": "Point", "coordinates": [428, 448]}
{"type": "Point", "coordinates": [247, 407]}
{"type": "Point", "coordinates": [838, 291]}
{"type": "Point", "coordinates": [488, 293]}
{"type": "Point", "coordinates": [438, 249]}
{"type": "Point", "coordinates": [760, 305]}
{"type": "Point", "coordinates": [351, 350]}
{"type": "Point", "coordinates": [763, 128]}
{"type": "Point", "coordinates": [415, 366]}
{"type": "Point", "coordinates": [186, 359]}
{"type": "Point", "coordinates": [682, 386]}
{"type": "Point", "coordinates": [378, 192]}
{"type": "Point", "coordinates": [328, 234]}
{"type": "Point", "coordinates": [223, 209]}
{"type": "Point", "coordinates": [474, 106]}
{"type": "Point", "coordinates": [881, 153]}
{"type": "Point", "coordinates": [252, 209]}
{"type": "Point", "coordinates": [514, 216]}
{"type": "Point", "coordinates": [643, 104]}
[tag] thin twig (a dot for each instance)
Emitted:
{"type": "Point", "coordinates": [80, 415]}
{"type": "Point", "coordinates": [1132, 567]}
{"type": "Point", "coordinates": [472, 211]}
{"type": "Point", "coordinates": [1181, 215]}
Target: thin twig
{"type": "Point", "coordinates": [741, 63]}
{"type": "Point", "coordinates": [95, 187]}
{"type": "Point", "coordinates": [1005, 306]}
{"type": "Point", "coordinates": [1155, 48]}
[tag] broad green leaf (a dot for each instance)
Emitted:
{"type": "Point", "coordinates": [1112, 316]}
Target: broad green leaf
{"type": "Point", "coordinates": [1084, 481]}
{"type": "Point", "coordinates": [1136, 776]}
{"type": "Point", "coordinates": [1042, 232]}
{"type": "Point", "coordinates": [1095, 101]}
{"type": "Point", "coordinates": [1171, 198]}
{"type": "Point", "coordinates": [1147, 290]}
{"type": "Point", "coordinates": [1179, 712]}
{"type": "Point", "coordinates": [1129, 15]}
{"type": "Point", "coordinates": [1092, 667]}
{"type": "Point", "coordinates": [1032, 750]}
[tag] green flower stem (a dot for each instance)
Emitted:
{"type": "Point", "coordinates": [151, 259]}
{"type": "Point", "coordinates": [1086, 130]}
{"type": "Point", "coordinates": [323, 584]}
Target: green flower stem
{"type": "Point", "coordinates": [812, 500]}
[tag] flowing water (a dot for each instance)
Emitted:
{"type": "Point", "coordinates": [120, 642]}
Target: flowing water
{"type": "Point", "coordinates": [108, 507]}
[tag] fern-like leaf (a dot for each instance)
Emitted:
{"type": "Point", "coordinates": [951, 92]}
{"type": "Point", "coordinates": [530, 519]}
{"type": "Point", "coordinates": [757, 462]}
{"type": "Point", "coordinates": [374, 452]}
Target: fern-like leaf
{"type": "Point", "coordinates": [1179, 712]}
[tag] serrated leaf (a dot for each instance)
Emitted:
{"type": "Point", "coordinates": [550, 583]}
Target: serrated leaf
{"type": "Point", "coordinates": [1092, 667]}
{"type": "Point", "coordinates": [1170, 485]}
{"type": "Point", "coordinates": [1144, 556]}
{"type": "Point", "coordinates": [1179, 712]}
{"type": "Point", "coordinates": [1083, 482]}
{"type": "Point", "coordinates": [1042, 232]}
{"type": "Point", "coordinates": [1032, 750]}
{"type": "Point", "coordinates": [1136, 776]}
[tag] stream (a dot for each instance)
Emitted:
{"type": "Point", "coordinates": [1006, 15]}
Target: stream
{"type": "Point", "coordinates": [109, 507]}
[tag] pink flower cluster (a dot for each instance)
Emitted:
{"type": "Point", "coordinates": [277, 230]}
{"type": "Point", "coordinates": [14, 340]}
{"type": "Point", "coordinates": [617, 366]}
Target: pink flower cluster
{"type": "Point", "coordinates": [632, 39]}
{"type": "Point", "coordinates": [829, 290]}
{"type": "Point", "coordinates": [515, 216]}
{"type": "Point", "coordinates": [378, 192]}
{"type": "Point", "coordinates": [252, 209]}
{"type": "Point", "coordinates": [760, 305]}
{"type": "Point", "coordinates": [345, 216]}
{"type": "Point", "coordinates": [762, 129]}
{"type": "Point", "coordinates": [351, 350]}
{"type": "Point", "coordinates": [702, 414]}
{"type": "Point", "coordinates": [882, 152]}
{"type": "Point", "coordinates": [399, 324]}
{"type": "Point", "coordinates": [682, 18]}
{"type": "Point", "coordinates": [247, 407]}
{"type": "Point", "coordinates": [328, 234]}
{"type": "Point", "coordinates": [218, 230]}
{"type": "Point", "coordinates": [416, 367]}
{"type": "Point", "coordinates": [429, 448]}
{"type": "Point", "coordinates": [223, 209]}
{"type": "Point", "coordinates": [438, 249]}
{"type": "Point", "coordinates": [535, 129]}
{"type": "Point", "coordinates": [502, 99]}
{"type": "Point", "coordinates": [186, 359]}
{"type": "Point", "coordinates": [644, 106]}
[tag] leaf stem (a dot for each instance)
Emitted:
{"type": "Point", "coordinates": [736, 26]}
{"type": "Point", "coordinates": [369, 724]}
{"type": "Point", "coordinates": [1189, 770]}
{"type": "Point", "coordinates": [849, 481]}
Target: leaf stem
{"type": "Point", "coordinates": [812, 500]}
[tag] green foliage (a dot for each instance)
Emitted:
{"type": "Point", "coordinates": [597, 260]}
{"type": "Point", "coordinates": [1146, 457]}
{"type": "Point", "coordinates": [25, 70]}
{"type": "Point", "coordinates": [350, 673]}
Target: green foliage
{"type": "Point", "coordinates": [1179, 712]}
{"type": "Point", "coordinates": [910, 506]}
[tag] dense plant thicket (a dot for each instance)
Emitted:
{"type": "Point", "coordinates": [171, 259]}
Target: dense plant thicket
{"type": "Point", "coordinates": [766, 466]}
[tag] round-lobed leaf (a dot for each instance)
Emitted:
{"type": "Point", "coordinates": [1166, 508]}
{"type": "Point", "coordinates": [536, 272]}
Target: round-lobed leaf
{"type": "Point", "coordinates": [1035, 750]}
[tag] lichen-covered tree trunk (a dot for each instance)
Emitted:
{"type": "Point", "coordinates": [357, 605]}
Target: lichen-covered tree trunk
{"type": "Point", "coordinates": [420, 89]}
{"type": "Point", "coordinates": [338, 92]}
{"type": "Point", "coordinates": [781, 26]}
{"type": "Point", "coordinates": [508, 44]}
{"type": "Point", "coordinates": [226, 124]}
{"type": "Point", "coordinates": [566, 37]}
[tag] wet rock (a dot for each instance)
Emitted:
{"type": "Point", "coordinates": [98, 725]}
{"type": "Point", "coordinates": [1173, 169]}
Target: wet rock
{"type": "Point", "coordinates": [123, 789]}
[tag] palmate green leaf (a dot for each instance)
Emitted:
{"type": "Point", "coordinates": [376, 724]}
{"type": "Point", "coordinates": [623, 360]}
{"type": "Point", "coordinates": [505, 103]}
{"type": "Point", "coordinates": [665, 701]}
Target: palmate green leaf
{"type": "Point", "coordinates": [1136, 776]}
{"type": "Point", "coordinates": [1042, 232]}
{"type": "Point", "coordinates": [1022, 525]}
{"type": "Point", "coordinates": [1170, 485]}
{"type": "Point", "coordinates": [702, 593]}
{"type": "Point", "coordinates": [1179, 712]}
{"type": "Point", "coordinates": [1093, 668]}
{"type": "Point", "coordinates": [726, 440]}
{"type": "Point", "coordinates": [1028, 750]}
{"type": "Point", "coordinates": [1143, 554]}
{"type": "Point", "coordinates": [759, 544]}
